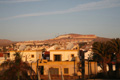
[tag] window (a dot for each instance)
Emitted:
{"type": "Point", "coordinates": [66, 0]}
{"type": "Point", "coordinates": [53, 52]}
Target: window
{"type": "Point", "coordinates": [8, 54]}
{"type": "Point", "coordinates": [41, 69]}
{"type": "Point", "coordinates": [54, 71]}
{"type": "Point", "coordinates": [57, 57]}
{"type": "Point", "coordinates": [66, 71]}
{"type": "Point", "coordinates": [72, 55]}
{"type": "Point", "coordinates": [32, 56]}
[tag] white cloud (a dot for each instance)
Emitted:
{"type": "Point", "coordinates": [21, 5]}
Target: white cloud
{"type": "Point", "coordinates": [96, 5]}
{"type": "Point", "coordinates": [88, 6]}
{"type": "Point", "coordinates": [17, 1]}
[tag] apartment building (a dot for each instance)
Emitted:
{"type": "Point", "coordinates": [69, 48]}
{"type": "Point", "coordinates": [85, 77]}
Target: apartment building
{"type": "Point", "coordinates": [63, 55]}
{"type": "Point", "coordinates": [29, 56]}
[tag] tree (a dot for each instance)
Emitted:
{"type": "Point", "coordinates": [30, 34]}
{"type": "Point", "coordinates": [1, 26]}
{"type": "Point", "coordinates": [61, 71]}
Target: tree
{"type": "Point", "coordinates": [98, 59]}
{"type": "Point", "coordinates": [102, 49]}
{"type": "Point", "coordinates": [16, 69]}
{"type": "Point", "coordinates": [116, 46]}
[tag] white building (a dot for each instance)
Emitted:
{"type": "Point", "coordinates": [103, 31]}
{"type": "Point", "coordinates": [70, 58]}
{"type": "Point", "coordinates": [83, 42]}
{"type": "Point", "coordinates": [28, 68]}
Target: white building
{"type": "Point", "coordinates": [63, 55]}
{"type": "Point", "coordinates": [30, 56]}
{"type": "Point", "coordinates": [88, 54]}
{"type": "Point", "coordinates": [4, 57]}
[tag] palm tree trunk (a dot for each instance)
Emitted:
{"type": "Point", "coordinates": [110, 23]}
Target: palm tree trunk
{"type": "Point", "coordinates": [117, 65]}
{"type": "Point", "coordinates": [18, 76]}
{"type": "Point", "coordinates": [117, 70]}
{"type": "Point", "coordinates": [110, 69]}
{"type": "Point", "coordinates": [105, 69]}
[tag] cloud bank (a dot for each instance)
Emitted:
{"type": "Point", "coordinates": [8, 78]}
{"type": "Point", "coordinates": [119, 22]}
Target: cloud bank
{"type": "Point", "coordinates": [82, 7]}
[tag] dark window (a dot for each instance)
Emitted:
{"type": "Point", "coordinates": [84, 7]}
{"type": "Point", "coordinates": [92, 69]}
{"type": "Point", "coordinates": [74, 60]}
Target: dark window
{"type": "Point", "coordinates": [57, 57]}
{"type": "Point", "coordinates": [41, 70]}
{"type": "Point", "coordinates": [32, 56]}
{"type": "Point", "coordinates": [8, 54]}
{"type": "Point", "coordinates": [54, 71]}
{"type": "Point", "coordinates": [65, 70]}
{"type": "Point", "coordinates": [72, 55]}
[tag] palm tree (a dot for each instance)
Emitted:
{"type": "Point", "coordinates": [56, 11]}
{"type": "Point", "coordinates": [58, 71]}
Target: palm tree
{"type": "Point", "coordinates": [116, 46]}
{"type": "Point", "coordinates": [98, 59]}
{"type": "Point", "coordinates": [102, 51]}
{"type": "Point", "coordinates": [16, 69]}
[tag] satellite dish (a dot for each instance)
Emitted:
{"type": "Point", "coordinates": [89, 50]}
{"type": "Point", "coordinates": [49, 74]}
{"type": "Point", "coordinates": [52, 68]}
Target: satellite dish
{"type": "Point", "coordinates": [69, 46]}
{"type": "Point", "coordinates": [53, 47]}
{"type": "Point", "coordinates": [22, 47]}
{"type": "Point", "coordinates": [28, 48]}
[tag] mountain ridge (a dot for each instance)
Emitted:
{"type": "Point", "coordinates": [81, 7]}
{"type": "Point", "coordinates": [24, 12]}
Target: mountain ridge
{"type": "Point", "coordinates": [71, 37]}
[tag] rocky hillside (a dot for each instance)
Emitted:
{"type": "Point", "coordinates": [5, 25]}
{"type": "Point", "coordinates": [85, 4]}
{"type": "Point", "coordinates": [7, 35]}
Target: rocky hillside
{"type": "Point", "coordinates": [5, 42]}
{"type": "Point", "coordinates": [101, 39]}
{"type": "Point", "coordinates": [72, 35]}
{"type": "Point", "coordinates": [63, 39]}
{"type": "Point", "coordinates": [62, 42]}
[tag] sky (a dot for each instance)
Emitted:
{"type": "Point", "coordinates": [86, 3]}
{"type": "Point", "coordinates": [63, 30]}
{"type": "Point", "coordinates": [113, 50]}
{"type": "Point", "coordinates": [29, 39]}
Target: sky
{"type": "Point", "coordinates": [23, 20]}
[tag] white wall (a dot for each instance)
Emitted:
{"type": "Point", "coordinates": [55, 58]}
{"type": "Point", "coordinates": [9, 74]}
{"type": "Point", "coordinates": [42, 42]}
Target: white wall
{"type": "Point", "coordinates": [66, 54]}
{"type": "Point", "coordinates": [88, 53]}
{"type": "Point", "coordinates": [99, 69]}
{"type": "Point", "coordinates": [27, 55]}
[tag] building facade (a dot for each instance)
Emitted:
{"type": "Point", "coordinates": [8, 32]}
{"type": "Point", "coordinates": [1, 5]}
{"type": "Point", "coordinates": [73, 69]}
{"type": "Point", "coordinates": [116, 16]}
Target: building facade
{"type": "Point", "coordinates": [30, 56]}
{"type": "Point", "coordinates": [63, 55]}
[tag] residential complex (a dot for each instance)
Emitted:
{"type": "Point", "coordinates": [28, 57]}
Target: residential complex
{"type": "Point", "coordinates": [59, 56]}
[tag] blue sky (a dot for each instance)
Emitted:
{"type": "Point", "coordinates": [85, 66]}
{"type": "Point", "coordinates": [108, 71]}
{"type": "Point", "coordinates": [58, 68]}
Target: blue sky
{"type": "Point", "coordinates": [45, 19]}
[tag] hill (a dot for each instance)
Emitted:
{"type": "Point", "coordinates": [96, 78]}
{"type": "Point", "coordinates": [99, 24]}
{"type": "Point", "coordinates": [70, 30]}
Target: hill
{"type": "Point", "coordinates": [63, 39]}
{"type": "Point", "coordinates": [62, 42]}
{"type": "Point", "coordinates": [101, 39]}
{"type": "Point", "coordinates": [72, 35]}
{"type": "Point", "coordinates": [5, 42]}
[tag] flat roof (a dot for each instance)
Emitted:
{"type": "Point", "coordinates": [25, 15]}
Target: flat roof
{"type": "Point", "coordinates": [64, 50]}
{"type": "Point", "coordinates": [28, 51]}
